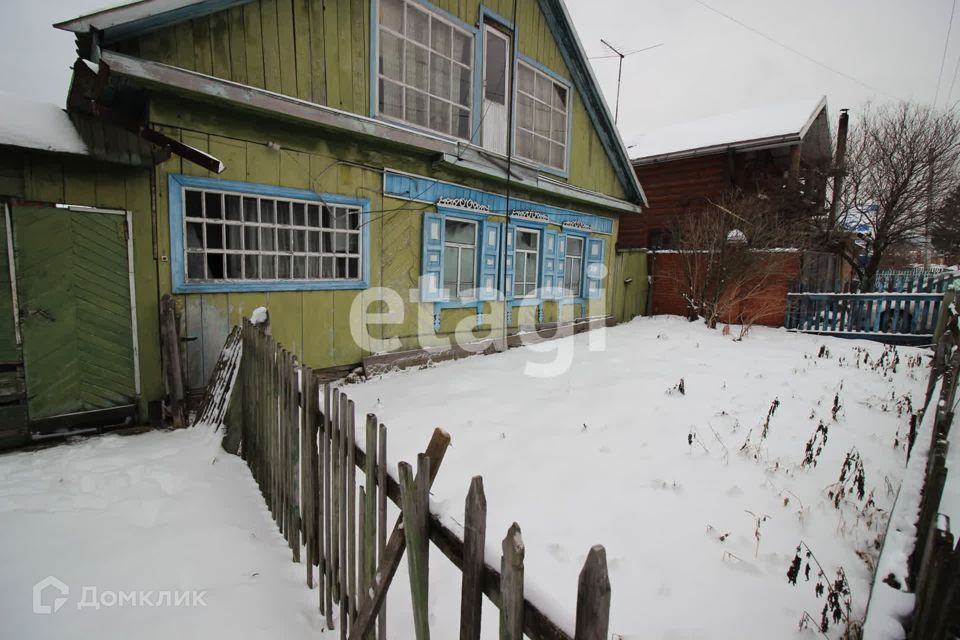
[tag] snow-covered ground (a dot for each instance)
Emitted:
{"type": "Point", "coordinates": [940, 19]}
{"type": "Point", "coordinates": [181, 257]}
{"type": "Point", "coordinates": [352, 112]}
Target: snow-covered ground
{"type": "Point", "coordinates": [609, 452]}
{"type": "Point", "coordinates": [603, 454]}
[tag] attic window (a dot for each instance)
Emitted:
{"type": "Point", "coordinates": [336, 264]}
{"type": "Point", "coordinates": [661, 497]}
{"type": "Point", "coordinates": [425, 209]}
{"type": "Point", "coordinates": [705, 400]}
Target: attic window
{"type": "Point", "coordinates": [542, 118]}
{"type": "Point", "coordinates": [425, 69]}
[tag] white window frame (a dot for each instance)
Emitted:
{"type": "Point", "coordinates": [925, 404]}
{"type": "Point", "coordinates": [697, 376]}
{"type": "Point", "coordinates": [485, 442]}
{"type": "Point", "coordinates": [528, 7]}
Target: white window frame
{"type": "Point", "coordinates": [459, 294]}
{"type": "Point", "coordinates": [522, 130]}
{"type": "Point", "coordinates": [451, 103]}
{"type": "Point", "coordinates": [568, 288]}
{"type": "Point", "coordinates": [324, 256]}
{"type": "Point", "coordinates": [517, 251]}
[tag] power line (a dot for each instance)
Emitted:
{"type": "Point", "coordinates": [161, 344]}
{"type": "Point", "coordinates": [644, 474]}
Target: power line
{"type": "Point", "coordinates": [794, 51]}
{"type": "Point", "coordinates": [943, 59]}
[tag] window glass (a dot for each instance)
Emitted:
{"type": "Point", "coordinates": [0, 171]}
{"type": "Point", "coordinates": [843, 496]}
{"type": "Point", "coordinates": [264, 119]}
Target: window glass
{"type": "Point", "coordinates": [526, 263]}
{"type": "Point", "coordinates": [573, 266]}
{"type": "Point", "coordinates": [229, 236]}
{"type": "Point", "coordinates": [425, 69]}
{"type": "Point", "coordinates": [542, 118]}
{"type": "Point", "coordinates": [459, 257]}
{"type": "Point", "coordinates": [495, 66]}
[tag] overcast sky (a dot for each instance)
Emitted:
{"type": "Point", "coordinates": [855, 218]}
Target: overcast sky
{"type": "Point", "coordinates": [707, 64]}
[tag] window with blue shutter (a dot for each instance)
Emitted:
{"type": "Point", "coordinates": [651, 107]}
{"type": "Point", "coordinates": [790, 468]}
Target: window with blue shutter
{"type": "Point", "coordinates": [561, 265]}
{"type": "Point", "coordinates": [431, 289]}
{"type": "Point", "coordinates": [511, 243]}
{"type": "Point", "coordinates": [594, 261]}
{"type": "Point", "coordinates": [489, 260]}
{"type": "Point", "coordinates": [550, 283]}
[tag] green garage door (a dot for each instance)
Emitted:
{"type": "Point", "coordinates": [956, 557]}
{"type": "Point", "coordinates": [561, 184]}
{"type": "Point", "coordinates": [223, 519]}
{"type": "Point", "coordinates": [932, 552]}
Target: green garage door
{"type": "Point", "coordinates": [74, 303]}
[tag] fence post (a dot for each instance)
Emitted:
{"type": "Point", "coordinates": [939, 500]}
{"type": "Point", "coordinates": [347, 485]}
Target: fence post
{"type": "Point", "coordinates": [369, 501]}
{"type": "Point", "coordinates": [511, 585]}
{"type": "Point", "coordinates": [381, 523]}
{"type": "Point", "coordinates": [474, 540]}
{"type": "Point", "coordinates": [593, 597]}
{"type": "Point", "coordinates": [415, 496]}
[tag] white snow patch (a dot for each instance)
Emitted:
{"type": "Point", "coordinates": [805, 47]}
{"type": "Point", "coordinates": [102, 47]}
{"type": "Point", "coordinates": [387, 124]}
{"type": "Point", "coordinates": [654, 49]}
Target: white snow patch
{"type": "Point", "coordinates": [38, 125]}
{"type": "Point", "coordinates": [259, 315]}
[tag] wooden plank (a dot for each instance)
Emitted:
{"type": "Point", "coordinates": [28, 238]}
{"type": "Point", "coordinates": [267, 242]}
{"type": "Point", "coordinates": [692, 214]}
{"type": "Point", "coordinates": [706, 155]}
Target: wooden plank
{"type": "Point", "coordinates": [220, 51]}
{"type": "Point", "coordinates": [271, 45]}
{"type": "Point", "coordinates": [345, 43]}
{"type": "Point", "coordinates": [238, 47]}
{"type": "Point", "coordinates": [393, 552]}
{"type": "Point", "coordinates": [381, 522]}
{"type": "Point", "coordinates": [253, 45]}
{"type": "Point", "coordinates": [414, 497]}
{"type": "Point", "coordinates": [335, 504]}
{"type": "Point", "coordinates": [474, 542]}
{"type": "Point", "coordinates": [511, 585]}
{"type": "Point", "coordinates": [317, 52]}
{"type": "Point", "coordinates": [287, 50]}
{"type": "Point", "coordinates": [203, 55]}
{"type": "Point", "coordinates": [593, 597]}
{"type": "Point", "coordinates": [331, 50]}
{"type": "Point", "coordinates": [369, 547]}
{"type": "Point", "coordinates": [344, 508]}
{"type": "Point", "coordinates": [301, 28]}
{"type": "Point", "coordinates": [351, 511]}
{"type": "Point", "coordinates": [326, 469]}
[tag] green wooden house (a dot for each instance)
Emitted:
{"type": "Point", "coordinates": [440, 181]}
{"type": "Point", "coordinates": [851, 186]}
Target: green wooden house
{"type": "Point", "coordinates": [449, 165]}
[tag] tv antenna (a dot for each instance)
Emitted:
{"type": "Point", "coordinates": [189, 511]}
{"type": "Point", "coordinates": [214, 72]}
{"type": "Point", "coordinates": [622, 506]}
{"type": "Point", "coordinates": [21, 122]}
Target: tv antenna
{"type": "Point", "coordinates": [622, 55]}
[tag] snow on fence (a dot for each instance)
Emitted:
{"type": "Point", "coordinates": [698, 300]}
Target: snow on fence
{"type": "Point", "coordinates": [887, 281]}
{"type": "Point", "coordinates": [901, 318]}
{"type": "Point", "coordinates": [305, 457]}
{"type": "Point", "coordinates": [933, 565]}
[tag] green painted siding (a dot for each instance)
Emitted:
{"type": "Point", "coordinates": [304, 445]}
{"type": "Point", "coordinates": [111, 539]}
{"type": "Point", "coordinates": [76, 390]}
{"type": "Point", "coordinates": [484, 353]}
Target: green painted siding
{"type": "Point", "coordinates": [319, 51]}
{"type": "Point", "coordinates": [74, 290]}
{"type": "Point", "coordinates": [316, 325]}
{"type": "Point", "coordinates": [9, 351]}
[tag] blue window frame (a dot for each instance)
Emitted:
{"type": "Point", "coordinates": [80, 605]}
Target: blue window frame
{"type": "Point", "coordinates": [237, 236]}
{"type": "Point", "coordinates": [437, 284]}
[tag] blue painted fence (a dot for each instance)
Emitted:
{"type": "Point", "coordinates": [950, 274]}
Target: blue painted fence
{"type": "Point", "coordinates": [897, 318]}
{"type": "Point", "coordinates": [887, 281]}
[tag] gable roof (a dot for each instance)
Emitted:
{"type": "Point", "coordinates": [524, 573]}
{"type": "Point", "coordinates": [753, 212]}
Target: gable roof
{"type": "Point", "coordinates": [132, 19]}
{"type": "Point", "coordinates": [761, 126]}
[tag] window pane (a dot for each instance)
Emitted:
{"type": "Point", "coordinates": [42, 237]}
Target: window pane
{"type": "Point", "coordinates": [439, 115]}
{"type": "Point", "coordinates": [544, 88]}
{"type": "Point", "coordinates": [214, 266]}
{"type": "Point", "coordinates": [267, 211]}
{"type": "Point", "coordinates": [283, 267]}
{"type": "Point", "coordinates": [461, 122]}
{"type": "Point", "coordinates": [560, 97]}
{"type": "Point", "coordinates": [525, 144]}
{"type": "Point", "coordinates": [268, 266]}
{"type": "Point", "coordinates": [353, 268]}
{"type": "Point", "coordinates": [460, 85]}
{"type": "Point", "coordinates": [462, 48]}
{"type": "Point", "coordinates": [391, 56]}
{"type": "Point", "coordinates": [541, 120]}
{"type": "Point", "coordinates": [525, 79]}
{"type": "Point", "coordinates": [441, 37]}
{"type": "Point", "coordinates": [557, 156]}
{"type": "Point", "coordinates": [250, 209]}
{"type": "Point", "coordinates": [313, 215]}
{"type": "Point", "coordinates": [283, 239]}
{"type": "Point", "coordinates": [558, 130]}
{"type": "Point", "coordinates": [283, 212]}
{"type": "Point", "coordinates": [418, 25]}
{"type": "Point", "coordinates": [234, 233]}
{"type": "Point", "coordinates": [531, 267]}
{"type": "Point", "coordinates": [460, 231]}
{"type": "Point", "coordinates": [495, 81]}
{"type": "Point", "coordinates": [234, 266]}
{"type": "Point", "coordinates": [299, 267]}
{"type": "Point", "coordinates": [215, 236]}
{"type": "Point", "coordinates": [267, 241]}
{"type": "Point", "coordinates": [313, 268]}
{"type": "Point", "coordinates": [525, 112]}
{"type": "Point", "coordinates": [232, 204]}
{"type": "Point", "coordinates": [251, 267]}
{"type": "Point", "coordinates": [299, 241]}
{"type": "Point", "coordinates": [193, 204]}
{"type": "Point", "coordinates": [527, 240]}
{"type": "Point", "coordinates": [574, 246]}
{"type": "Point", "coordinates": [299, 214]}
{"type": "Point", "coordinates": [440, 76]}
{"type": "Point", "coordinates": [195, 264]}
{"type": "Point", "coordinates": [416, 107]}
{"type": "Point", "coordinates": [450, 261]}
{"type": "Point", "coordinates": [391, 99]}
{"type": "Point", "coordinates": [213, 205]}
{"type": "Point", "coordinates": [417, 71]}
{"type": "Point", "coordinates": [314, 242]}
{"type": "Point", "coordinates": [467, 268]}
{"type": "Point", "coordinates": [326, 267]}
{"type": "Point", "coordinates": [353, 243]}
{"type": "Point", "coordinates": [391, 14]}
{"type": "Point", "coordinates": [194, 235]}
{"type": "Point", "coordinates": [541, 150]}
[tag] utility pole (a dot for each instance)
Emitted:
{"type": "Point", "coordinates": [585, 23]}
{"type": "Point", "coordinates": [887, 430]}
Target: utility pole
{"type": "Point", "coordinates": [616, 115]}
{"type": "Point", "coordinates": [839, 169]}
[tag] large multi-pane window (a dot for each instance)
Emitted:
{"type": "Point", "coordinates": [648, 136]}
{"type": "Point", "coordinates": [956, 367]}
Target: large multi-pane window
{"type": "Point", "coordinates": [459, 258]}
{"type": "Point", "coordinates": [425, 68]}
{"type": "Point", "coordinates": [542, 112]}
{"type": "Point", "coordinates": [573, 267]}
{"type": "Point", "coordinates": [236, 236]}
{"type": "Point", "coordinates": [526, 262]}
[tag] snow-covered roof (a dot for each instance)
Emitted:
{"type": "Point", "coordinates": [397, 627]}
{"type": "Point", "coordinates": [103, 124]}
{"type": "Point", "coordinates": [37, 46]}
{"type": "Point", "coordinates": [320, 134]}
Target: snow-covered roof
{"type": "Point", "coordinates": [38, 125]}
{"type": "Point", "coordinates": [124, 18]}
{"type": "Point", "coordinates": [758, 126]}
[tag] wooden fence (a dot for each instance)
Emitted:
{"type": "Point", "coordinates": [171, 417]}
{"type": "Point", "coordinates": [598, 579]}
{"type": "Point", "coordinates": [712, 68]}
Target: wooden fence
{"type": "Point", "coordinates": [304, 452]}
{"type": "Point", "coordinates": [901, 318]}
{"type": "Point", "coordinates": [886, 281]}
{"type": "Point", "coordinates": [935, 562]}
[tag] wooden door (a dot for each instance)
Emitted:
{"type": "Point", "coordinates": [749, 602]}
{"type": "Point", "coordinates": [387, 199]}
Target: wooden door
{"type": "Point", "coordinates": [74, 307]}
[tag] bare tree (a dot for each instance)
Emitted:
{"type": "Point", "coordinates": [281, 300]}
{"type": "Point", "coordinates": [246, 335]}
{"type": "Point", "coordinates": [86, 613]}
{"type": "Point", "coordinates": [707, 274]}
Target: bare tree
{"type": "Point", "coordinates": [901, 165]}
{"type": "Point", "coordinates": [733, 253]}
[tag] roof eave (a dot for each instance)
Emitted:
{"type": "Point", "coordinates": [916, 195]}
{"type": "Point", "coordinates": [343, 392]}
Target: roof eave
{"type": "Point", "coordinates": [758, 144]}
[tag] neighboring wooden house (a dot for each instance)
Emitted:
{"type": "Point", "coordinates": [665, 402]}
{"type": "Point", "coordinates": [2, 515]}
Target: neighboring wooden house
{"type": "Point", "coordinates": [774, 149]}
{"type": "Point", "coordinates": [312, 153]}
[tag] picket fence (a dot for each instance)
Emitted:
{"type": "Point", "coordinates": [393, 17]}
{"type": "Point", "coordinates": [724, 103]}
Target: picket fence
{"type": "Point", "coordinates": [300, 440]}
{"type": "Point", "coordinates": [901, 318]}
